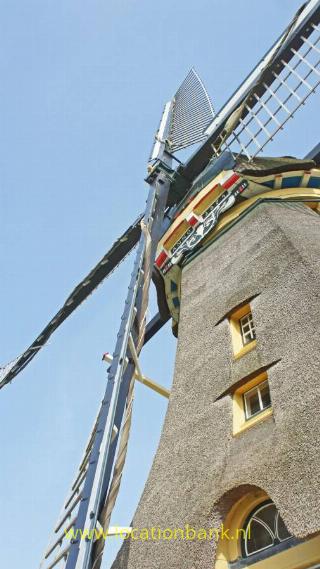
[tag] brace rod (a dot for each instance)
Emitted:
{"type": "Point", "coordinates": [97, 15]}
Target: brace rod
{"type": "Point", "coordinates": [143, 379]}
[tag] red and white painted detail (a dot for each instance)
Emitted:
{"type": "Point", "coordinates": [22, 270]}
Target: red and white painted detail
{"type": "Point", "coordinates": [226, 182]}
{"type": "Point", "coordinates": [230, 181]}
{"type": "Point", "coordinates": [192, 219]}
{"type": "Point", "coordinates": [162, 257]}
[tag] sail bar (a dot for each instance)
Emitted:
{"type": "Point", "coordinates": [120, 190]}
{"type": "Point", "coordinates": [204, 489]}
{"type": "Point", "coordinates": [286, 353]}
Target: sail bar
{"type": "Point", "coordinates": [304, 24]}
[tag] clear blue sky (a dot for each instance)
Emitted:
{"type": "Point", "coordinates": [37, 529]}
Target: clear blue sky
{"type": "Point", "coordinates": [82, 88]}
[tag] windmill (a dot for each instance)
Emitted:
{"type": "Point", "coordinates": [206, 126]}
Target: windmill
{"type": "Point", "coordinates": [280, 84]}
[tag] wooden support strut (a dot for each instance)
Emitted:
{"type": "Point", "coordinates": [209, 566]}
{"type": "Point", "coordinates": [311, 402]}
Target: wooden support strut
{"type": "Point", "coordinates": [142, 378]}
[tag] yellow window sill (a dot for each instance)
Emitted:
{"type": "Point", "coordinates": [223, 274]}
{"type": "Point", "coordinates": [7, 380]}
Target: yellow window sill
{"type": "Point", "coordinates": [245, 349]}
{"type": "Point", "coordinates": [251, 422]}
{"type": "Point", "coordinates": [301, 555]}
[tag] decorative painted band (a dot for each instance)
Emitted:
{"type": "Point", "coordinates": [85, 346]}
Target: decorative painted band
{"type": "Point", "coordinates": [201, 225]}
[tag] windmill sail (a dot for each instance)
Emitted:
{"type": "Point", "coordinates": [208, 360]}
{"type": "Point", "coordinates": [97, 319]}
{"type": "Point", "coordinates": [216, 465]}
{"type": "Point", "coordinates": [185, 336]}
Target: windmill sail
{"type": "Point", "coordinates": [119, 250]}
{"type": "Point", "coordinates": [185, 118]}
{"type": "Point", "coordinates": [280, 85]}
{"type": "Point", "coordinates": [191, 114]}
{"type": "Point", "coordinates": [272, 93]}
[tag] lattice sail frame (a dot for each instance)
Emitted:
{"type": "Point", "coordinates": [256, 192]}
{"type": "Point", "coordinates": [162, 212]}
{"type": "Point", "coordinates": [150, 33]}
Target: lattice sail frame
{"type": "Point", "coordinates": [292, 86]}
{"type": "Point", "coordinates": [185, 118]}
{"type": "Point", "coordinates": [280, 85]}
{"type": "Point", "coordinates": [57, 550]}
{"type": "Point", "coordinates": [192, 112]}
{"type": "Point", "coordinates": [111, 260]}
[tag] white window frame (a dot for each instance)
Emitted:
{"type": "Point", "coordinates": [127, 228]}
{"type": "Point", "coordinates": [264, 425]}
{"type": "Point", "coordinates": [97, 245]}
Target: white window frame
{"type": "Point", "coordinates": [247, 393]}
{"type": "Point", "coordinates": [249, 335]}
{"type": "Point", "coordinates": [274, 536]}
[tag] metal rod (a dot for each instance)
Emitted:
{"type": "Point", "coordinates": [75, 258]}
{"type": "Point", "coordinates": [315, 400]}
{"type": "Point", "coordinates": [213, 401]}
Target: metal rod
{"type": "Point", "coordinates": [293, 93]}
{"type": "Point", "coordinates": [253, 137]}
{"type": "Point", "coordinates": [303, 80]}
{"type": "Point", "coordinates": [306, 62]}
{"type": "Point", "coordinates": [60, 537]}
{"type": "Point", "coordinates": [76, 488]}
{"type": "Point", "coordinates": [68, 512]}
{"type": "Point", "coordinates": [260, 123]}
{"type": "Point", "coordinates": [62, 555]}
{"type": "Point", "coordinates": [273, 94]}
{"type": "Point", "coordinates": [312, 46]}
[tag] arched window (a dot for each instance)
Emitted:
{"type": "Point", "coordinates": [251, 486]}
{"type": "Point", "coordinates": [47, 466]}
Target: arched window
{"type": "Point", "coordinates": [263, 529]}
{"type": "Point", "coordinates": [257, 535]}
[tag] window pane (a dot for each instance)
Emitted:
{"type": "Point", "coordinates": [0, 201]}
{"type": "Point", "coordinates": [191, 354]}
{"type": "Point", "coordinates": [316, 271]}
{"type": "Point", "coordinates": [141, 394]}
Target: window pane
{"type": "Point", "coordinates": [264, 529]}
{"type": "Point", "coordinates": [282, 530]}
{"type": "Point", "coordinates": [265, 395]}
{"type": "Point", "coordinates": [268, 515]}
{"type": "Point", "coordinates": [253, 403]}
{"type": "Point", "coordinates": [247, 328]}
{"type": "Point", "coordinates": [258, 538]}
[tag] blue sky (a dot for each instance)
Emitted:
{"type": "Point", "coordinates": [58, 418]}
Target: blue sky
{"type": "Point", "coordinates": [82, 89]}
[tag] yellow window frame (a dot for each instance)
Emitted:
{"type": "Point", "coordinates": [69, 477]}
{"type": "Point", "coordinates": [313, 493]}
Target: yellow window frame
{"type": "Point", "coordinates": [239, 348]}
{"type": "Point", "coordinates": [240, 422]}
{"type": "Point", "coordinates": [300, 556]}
